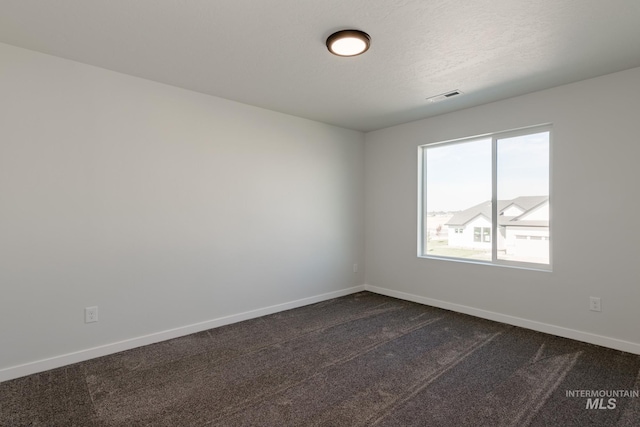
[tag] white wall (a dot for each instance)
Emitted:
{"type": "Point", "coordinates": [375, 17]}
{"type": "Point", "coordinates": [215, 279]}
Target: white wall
{"type": "Point", "coordinates": [161, 206]}
{"type": "Point", "coordinates": [167, 208]}
{"type": "Point", "coordinates": [595, 195]}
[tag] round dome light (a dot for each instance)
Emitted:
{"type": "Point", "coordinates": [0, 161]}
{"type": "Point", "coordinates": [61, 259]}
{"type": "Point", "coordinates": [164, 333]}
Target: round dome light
{"type": "Point", "coordinates": [348, 43]}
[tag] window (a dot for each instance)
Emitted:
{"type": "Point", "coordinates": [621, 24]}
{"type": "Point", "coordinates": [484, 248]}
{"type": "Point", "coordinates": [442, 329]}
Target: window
{"type": "Point", "coordinates": [486, 199]}
{"type": "Point", "coordinates": [481, 234]}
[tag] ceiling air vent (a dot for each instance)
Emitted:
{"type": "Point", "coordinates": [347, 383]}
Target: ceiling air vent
{"type": "Point", "coordinates": [444, 96]}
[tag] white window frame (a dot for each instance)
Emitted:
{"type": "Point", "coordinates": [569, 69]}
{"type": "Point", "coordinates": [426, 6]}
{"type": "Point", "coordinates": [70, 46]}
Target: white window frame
{"type": "Point", "coordinates": [422, 199]}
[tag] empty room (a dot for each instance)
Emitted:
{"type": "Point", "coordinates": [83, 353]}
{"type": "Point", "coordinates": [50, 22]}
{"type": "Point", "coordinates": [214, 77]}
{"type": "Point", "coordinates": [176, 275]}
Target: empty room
{"type": "Point", "coordinates": [332, 213]}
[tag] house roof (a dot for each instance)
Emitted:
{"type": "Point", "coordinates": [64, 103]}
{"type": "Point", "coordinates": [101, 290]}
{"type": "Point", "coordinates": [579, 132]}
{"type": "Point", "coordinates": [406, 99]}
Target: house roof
{"type": "Point", "coordinates": [526, 203]}
{"type": "Point", "coordinates": [526, 223]}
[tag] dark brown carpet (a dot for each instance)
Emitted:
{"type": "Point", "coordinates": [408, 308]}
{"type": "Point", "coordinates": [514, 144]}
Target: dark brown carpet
{"type": "Point", "coordinates": [360, 360]}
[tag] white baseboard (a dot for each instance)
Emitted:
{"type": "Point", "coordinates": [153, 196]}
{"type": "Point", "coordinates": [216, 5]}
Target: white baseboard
{"type": "Point", "coordinates": [629, 347]}
{"type": "Point", "coordinates": [104, 350]}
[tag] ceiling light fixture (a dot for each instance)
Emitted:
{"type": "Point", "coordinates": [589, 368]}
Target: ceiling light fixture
{"type": "Point", "coordinates": [348, 43]}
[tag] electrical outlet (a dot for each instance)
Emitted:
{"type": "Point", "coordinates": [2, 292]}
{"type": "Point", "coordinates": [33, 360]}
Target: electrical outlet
{"type": "Point", "coordinates": [91, 314]}
{"type": "Point", "coordinates": [594, 304]}
{"type": "Point", "coordinates": [355, 268]}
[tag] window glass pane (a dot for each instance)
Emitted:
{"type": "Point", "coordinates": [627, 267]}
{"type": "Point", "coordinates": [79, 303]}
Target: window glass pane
{"type": "Point", "coordinates": [457, 190]}
{"type": "Point", "coordinates": [523, 198]}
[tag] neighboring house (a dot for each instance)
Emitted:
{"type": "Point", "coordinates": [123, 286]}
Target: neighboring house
{"type": "Point", "coordinates": [523, 227]}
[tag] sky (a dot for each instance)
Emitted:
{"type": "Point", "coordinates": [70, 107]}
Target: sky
{"type": "Point", "coordinates": [458, 175]}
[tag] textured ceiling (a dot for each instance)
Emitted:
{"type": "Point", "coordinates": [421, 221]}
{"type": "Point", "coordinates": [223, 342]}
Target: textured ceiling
{"type": "Point", "coordinates": [271, 53]}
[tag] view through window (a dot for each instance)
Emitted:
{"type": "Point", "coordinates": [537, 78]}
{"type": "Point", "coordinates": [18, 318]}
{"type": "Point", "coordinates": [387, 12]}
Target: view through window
{"type": "Point", "coordinates": [487, 198]}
